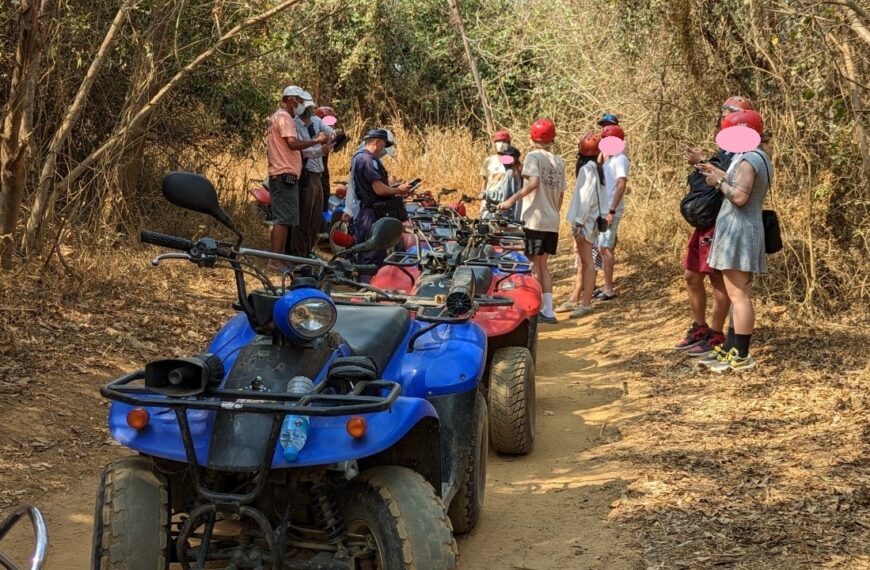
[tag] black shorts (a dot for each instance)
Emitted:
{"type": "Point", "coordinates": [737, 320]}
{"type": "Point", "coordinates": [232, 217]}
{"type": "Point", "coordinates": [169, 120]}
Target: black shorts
{"type": "Point", "coordinates": [285, 200]}
{"type": "Point", "coordinates": [539, 243]}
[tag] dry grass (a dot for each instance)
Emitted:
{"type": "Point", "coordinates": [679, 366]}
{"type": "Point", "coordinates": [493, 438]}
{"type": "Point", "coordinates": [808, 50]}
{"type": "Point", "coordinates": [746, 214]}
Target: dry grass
{"type": "Point", "coordinates": [765, 470]}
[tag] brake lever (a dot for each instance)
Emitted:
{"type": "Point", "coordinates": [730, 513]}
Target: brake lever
{"type": "Point", "coordinates": [165, 256]}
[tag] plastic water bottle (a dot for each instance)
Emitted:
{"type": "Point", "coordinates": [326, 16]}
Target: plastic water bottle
{"type": "Point", "coordinates": [294, 430]}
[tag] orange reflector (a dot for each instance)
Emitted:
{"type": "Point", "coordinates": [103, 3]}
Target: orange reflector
{"type": "Point", "coordinates": [137, 418]}
{"type": "Point", "coordinates": [356, 427]}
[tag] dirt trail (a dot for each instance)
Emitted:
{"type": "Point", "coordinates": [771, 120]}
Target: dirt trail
{"type": "Point", "coordinates": [547, 510]}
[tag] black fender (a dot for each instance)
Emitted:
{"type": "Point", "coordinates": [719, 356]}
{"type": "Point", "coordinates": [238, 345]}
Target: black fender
{"type": "Point", "coordinates": [239, 441]}
{"type": "Point", "coordinates": [455, 412]}
{"type": "Point", "coordinates": [419, 450]}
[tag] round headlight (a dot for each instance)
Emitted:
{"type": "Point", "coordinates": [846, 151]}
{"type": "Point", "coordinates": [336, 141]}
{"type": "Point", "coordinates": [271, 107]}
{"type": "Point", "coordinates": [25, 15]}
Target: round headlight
{"type": "Point", "coordinates": [312, 318]}
{"type": "Point", "coordinates": [304, 314]}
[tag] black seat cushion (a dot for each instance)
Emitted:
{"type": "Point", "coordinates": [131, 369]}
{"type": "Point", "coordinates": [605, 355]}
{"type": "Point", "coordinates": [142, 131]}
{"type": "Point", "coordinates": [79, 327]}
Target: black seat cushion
{"type": "Point", "coordinates": [373, 331]}
{"type": "Point", "coordinates": [482, 278]}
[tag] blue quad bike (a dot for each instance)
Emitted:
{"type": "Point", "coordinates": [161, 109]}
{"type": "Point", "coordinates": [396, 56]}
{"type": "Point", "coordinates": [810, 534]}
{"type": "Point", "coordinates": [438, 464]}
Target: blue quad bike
{"type": "Point", "coordinates": [395, 457]}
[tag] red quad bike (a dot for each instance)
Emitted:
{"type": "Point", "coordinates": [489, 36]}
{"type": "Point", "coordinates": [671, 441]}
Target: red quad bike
{"type": "Point", "coordinates": [489, 248]}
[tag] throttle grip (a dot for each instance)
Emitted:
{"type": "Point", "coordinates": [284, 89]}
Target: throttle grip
{"type": "Point", "coordinates": [164, 240]}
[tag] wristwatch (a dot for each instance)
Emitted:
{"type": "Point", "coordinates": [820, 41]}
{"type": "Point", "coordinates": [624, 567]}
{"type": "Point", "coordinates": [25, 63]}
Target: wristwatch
{"type": "Point", "coordinates": [719, 184]}
{"type": "Point", "coordinates": [612, 212]}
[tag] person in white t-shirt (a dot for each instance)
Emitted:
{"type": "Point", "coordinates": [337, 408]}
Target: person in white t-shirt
{"type": "Point", "coordinates": [615, 179]}
{"type": "Point", "coordinates": [492, 171]}
{"type": "Point", "coordinates": [542, 193]}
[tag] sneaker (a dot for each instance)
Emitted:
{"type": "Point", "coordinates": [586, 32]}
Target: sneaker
{"type": "Point", "coordinates": [711, 341]}
{"type": "Point", "coordinates": [694, 337]}
{"type": "Point", "coordinates": [718, 354]}
{"type": "Point", "coordinates": [542, 318]}
{"type": "Point", "coordinates": [566, 307]}
{"type": "Point", "coordinates": [580, 312]}
{"type": "Point", "coordinates": [734, 363]}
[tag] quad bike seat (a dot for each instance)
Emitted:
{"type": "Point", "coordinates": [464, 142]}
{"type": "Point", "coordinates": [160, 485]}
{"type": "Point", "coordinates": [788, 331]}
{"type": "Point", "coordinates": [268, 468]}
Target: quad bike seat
{"type": "Point", "coordinates": [373, 331]}
{"type": "Point", "coordinates": [482, 278]}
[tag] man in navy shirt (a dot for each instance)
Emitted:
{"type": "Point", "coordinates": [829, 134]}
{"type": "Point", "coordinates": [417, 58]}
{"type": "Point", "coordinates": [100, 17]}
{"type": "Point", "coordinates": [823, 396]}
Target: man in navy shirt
{"type": "Point", "coordinates": [371, 184]}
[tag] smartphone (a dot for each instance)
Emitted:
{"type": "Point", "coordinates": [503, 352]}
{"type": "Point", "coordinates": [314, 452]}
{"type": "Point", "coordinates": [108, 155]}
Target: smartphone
{"type": "Point", "coordinates": [415, 182]}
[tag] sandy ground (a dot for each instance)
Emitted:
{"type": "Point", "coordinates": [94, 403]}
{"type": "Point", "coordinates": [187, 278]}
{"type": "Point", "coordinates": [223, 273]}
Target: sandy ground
{"type": "Point", "coordinates": [549, 510]}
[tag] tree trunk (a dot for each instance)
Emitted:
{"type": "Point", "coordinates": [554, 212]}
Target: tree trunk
{"type": "Point", "coordinates": [143, 115]}
{"type": "Point", "coordinates": [148, 75]}
{"type": "Point", "coordinates": [16, 126]}
{"type": "Point", "coordinates": [856, 104]}
{"type": "Point", "coordinates": [43, 203]}
{"type": "Point", "coordinates": [472, 63]}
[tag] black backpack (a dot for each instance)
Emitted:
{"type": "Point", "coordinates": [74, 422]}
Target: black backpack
{"type": "Point", "coordinates": [700, 206]}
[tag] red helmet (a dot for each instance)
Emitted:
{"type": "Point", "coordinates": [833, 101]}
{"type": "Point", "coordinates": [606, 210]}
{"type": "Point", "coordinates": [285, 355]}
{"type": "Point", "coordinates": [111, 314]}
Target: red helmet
{"type": "Point", "coordinates": [340, 236]}
{"type": "Point", "coordinates": [459, 208]}
{"type": "Point", "coordinates": [543, 131]}
{"type": "Point", "coordinates": [341, 190]}
{"type": "Point", "coordinates": [737, 103]}
{"type": "Point", "coordinates": [613, 131]}
{"type": "Point", "coordinates": [589, 144]}
{"type": "Point", "coordinates": [749, 119]}
{"type": "Point", "coordinates": [325, 112]}
{"type": "Point", "coordinates": [501, 136]}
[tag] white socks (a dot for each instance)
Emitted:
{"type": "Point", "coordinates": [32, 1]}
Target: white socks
{"type": "Point", "coordinates": [547, 311]}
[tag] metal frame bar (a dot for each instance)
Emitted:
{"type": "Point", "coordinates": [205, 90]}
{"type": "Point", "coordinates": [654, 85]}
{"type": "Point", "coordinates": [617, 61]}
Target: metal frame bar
{"type": "Point", "coordinates": [37, 561]}
{"type": "Point", "coordinates": [317, 404]}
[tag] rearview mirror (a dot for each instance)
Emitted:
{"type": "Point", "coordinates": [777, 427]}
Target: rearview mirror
{"type": "Point", "coordinates": [386, 233]}
{"type": "Point", "coordinates": [196, 193]}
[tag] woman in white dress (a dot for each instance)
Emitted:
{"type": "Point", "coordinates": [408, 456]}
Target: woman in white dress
{"type": "Point", "coordinates": [587, 201]}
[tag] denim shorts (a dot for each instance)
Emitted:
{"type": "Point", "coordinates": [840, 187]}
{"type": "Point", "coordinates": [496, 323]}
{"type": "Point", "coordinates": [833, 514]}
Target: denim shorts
{"type": "Point", "coordinates": [608, 239]}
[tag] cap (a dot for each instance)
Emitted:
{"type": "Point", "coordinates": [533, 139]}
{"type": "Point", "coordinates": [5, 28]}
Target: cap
{"type": "Point", "coordinates": [511, 151]}
{"type": "Point", "coordinates": [309, 103]}
{"type": "Point", "coordinates": [608, 118]}
{"type": "Point", "coordinates": [296, 91]}
{"type": "Point", "coordinates": [381, 134]}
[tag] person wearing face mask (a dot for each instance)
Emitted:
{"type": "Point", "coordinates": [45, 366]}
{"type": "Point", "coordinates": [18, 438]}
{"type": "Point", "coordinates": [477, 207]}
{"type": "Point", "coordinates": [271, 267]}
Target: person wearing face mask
{"type": "Point", "coordinates": [309, 126]}
{"type": "Point", "coordinates": [510, 184]}
{"type": "Point", "coordinates": [351, 202]}
{"type": "Point", "coordinates": [284, 157]}
{"type": "Point", "coordinates": [372, 190]}
{"type": "Point", "coordinates": [492, 171]}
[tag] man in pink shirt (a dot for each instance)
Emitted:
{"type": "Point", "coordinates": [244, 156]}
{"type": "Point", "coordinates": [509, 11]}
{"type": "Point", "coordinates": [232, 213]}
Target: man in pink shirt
{"type": "Point", "coordinates": [283, 152]}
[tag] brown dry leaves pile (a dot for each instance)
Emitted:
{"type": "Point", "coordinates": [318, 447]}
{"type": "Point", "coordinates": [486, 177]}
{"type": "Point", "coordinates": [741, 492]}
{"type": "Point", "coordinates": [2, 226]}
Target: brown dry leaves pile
{"type": "Point", "coordinates": [769, 469]}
